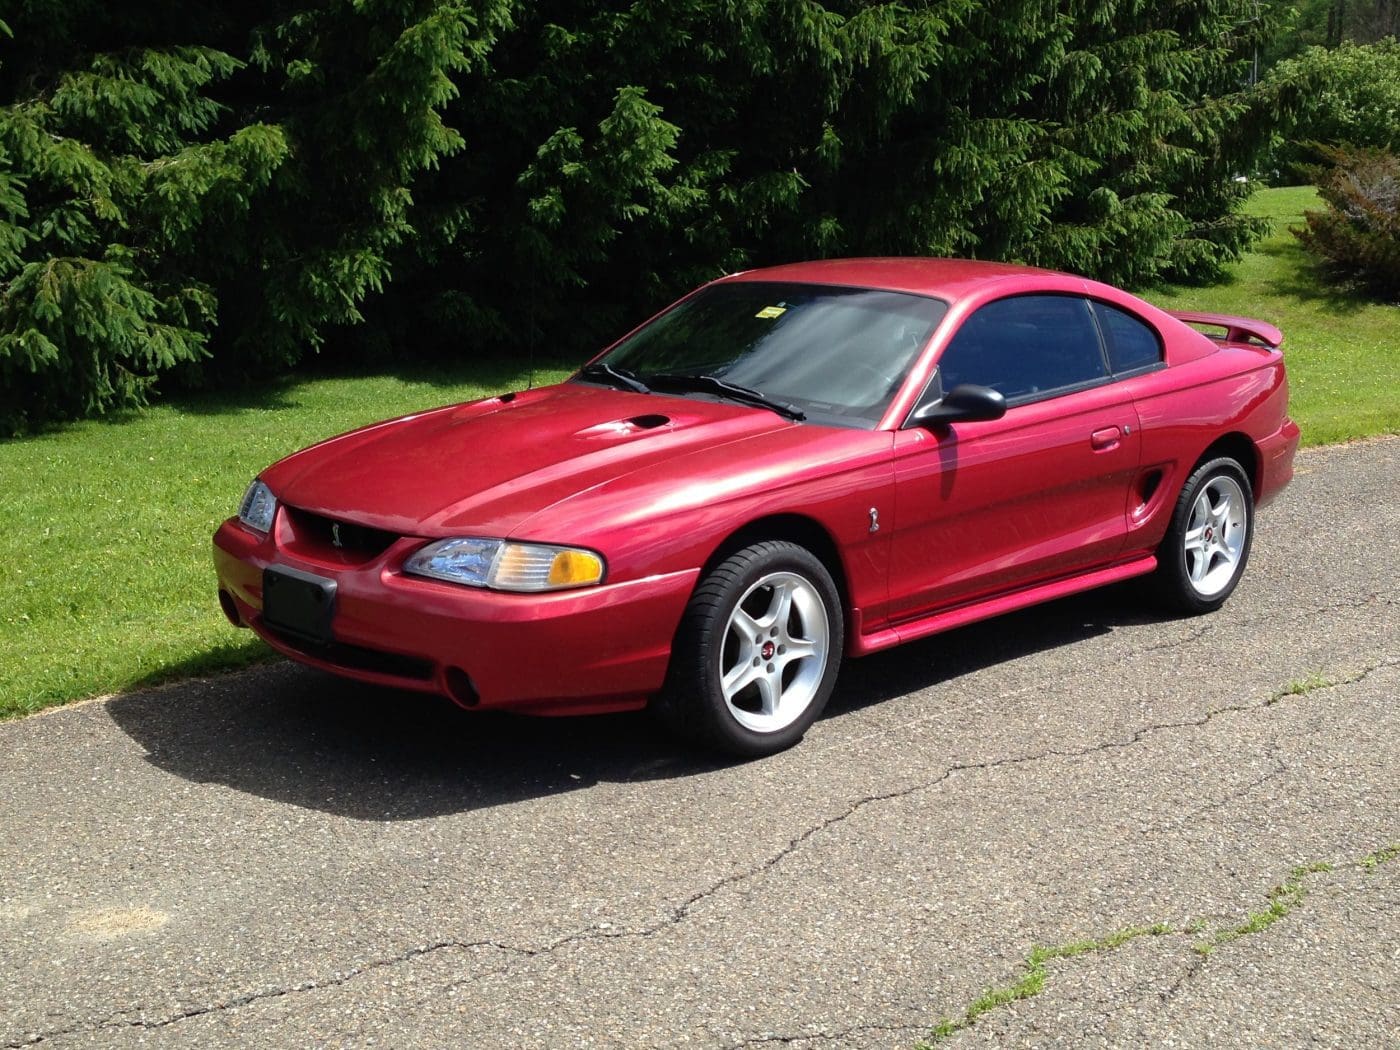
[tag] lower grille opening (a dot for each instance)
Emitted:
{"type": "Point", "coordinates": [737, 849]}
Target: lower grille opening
{"type": "Point", "coordinates": [356, 657]}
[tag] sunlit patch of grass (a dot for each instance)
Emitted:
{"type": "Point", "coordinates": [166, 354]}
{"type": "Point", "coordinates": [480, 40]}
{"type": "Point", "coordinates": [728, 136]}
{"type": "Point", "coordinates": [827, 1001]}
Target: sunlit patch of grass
{"type": "Point", "coordinates": [1302, 686]}
{"type": "Point", "coordinates": [1343, 350]}
{"type": "Point", "coordinates": [106, 527]}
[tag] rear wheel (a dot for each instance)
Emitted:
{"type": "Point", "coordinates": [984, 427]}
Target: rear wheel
{"type": "Point", "coordinates": [1205, 551]}
{"type": "Point", "coordinates": [758, 651]}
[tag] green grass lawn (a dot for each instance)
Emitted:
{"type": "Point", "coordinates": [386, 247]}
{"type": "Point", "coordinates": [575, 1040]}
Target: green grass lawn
{"type": "Point", "coordinates": [108, 583]}
{"type": "Point", "coordinates": [1343, 352]}
{"type": "Point", "coordinates": [106, 528]}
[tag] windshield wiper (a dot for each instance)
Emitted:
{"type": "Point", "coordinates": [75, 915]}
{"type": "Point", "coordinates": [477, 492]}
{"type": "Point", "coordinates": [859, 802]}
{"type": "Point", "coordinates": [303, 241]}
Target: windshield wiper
{"type": "Point", "coordinates": [724, 388]}
{"type": "Point", "coordinates": [615, 376]}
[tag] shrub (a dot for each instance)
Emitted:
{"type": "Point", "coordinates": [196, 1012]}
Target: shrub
{"type": "Point", "coordinates": [1358, 235]}
{"type": "Point", "coordinates": [1349, 95]}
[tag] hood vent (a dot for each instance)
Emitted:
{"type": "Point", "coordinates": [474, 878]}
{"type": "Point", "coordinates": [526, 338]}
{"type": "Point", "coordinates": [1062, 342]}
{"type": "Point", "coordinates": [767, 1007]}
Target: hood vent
{"type": "Point", "coordinates": [617, 428]}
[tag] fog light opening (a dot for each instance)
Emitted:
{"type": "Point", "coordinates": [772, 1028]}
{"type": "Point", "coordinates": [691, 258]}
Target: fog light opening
{"type": "Point", "coordinates": [460, 687]}
{"type": "Point", "coordinates": [230, 608]}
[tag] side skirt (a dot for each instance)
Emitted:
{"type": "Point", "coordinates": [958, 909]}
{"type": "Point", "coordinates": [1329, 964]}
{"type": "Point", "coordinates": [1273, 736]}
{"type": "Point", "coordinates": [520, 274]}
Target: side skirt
{"type": "Point", "coordinates": [946, 620]}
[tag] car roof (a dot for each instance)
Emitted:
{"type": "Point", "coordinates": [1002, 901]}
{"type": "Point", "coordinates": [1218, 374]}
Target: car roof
{"type": "Point", "coordinates": [949, 279]}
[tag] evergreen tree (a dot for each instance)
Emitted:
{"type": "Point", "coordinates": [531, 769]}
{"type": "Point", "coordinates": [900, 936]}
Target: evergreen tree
{"type": "Point", "coordinates": [209, 191]}
{"type": "Point", "coordinates": [152, 183]}
{"type": "Point", "coordinates": [359, 88]}
{"type": "Point", "coordinates": [107, 169]}
{"type": "Point", "coordinates": [636, 148]}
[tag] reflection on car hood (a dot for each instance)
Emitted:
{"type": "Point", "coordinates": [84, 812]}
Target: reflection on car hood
{"type": "Point", "coordinates": [482, 468]}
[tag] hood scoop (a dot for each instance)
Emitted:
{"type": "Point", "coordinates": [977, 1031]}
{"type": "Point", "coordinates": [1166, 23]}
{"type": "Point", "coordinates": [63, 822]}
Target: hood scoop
{"type": "Point", "coordinates": [618, 428]}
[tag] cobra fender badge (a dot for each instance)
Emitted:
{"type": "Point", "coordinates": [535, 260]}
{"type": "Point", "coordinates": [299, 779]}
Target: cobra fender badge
{"type": "Point", "coordinates": [874, 519]}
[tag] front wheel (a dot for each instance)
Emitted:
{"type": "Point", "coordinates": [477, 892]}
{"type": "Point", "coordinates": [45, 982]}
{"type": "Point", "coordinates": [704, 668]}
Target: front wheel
{"type": "Point", "coordinates": [1207, 546]}
{"type": "Point", "coordinates": [757, 653]}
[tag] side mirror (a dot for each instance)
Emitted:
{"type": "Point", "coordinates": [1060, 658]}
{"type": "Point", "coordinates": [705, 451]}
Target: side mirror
{"type": "Point", "coordinates": [962, 404]}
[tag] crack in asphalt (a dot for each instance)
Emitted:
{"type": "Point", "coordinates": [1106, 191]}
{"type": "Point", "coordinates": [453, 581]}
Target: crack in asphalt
{"type": "Point", "coordinates": [1271, 618]}
{"type": "Point", "coordinates": [1131, 654]}
{"type": "Point", "coordinates": [787, 1040]}
{"type": "Point", "coordinates": [1171, 643]}
{"type": "Point", "coordinates": [1278, 767]}
{"type": "Point", "coordinates": [1196, 961]}
{"type": "Point", "coordinates": [681, 911]}
{"type": "Point", "coordinates": [1194, 964]}
{"type": "Point", "coordinates": [116, 1022]}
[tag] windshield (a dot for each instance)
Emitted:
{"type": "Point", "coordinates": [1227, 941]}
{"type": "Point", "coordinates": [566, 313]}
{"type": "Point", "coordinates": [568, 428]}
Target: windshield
{"type": "Point", "coordinates": [837, 355]}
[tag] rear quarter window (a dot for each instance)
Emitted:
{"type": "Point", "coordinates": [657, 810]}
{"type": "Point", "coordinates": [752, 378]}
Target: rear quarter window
{"type": "Point", "coordinates": [1131, 344]}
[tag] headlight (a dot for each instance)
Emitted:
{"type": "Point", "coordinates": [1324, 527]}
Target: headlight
{"type": "Point", "coordinates": [506, 566]}
{"type": "Point", "coordinates": [258, 508]}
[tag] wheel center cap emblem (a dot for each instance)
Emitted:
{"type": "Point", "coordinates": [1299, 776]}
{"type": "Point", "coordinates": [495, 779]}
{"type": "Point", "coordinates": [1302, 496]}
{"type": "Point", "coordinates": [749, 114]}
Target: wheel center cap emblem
{"type": "Point", "coordinates": [768, 650]}
{"type": "Point", "coordinates": [1210, 534]}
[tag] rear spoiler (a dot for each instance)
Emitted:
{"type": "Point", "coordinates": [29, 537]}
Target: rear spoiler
{"type": "Point", "coordinates": [1237, 329]}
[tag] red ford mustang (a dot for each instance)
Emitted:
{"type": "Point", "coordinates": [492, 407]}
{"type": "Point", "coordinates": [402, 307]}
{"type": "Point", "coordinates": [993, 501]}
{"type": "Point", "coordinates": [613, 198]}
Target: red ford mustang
{"type": "Point", "coordinates": [788, 467]}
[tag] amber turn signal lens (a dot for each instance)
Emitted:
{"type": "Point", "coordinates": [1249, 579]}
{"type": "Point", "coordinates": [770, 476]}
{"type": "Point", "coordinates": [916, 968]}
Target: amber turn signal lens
{"type": "Point", "coordinates": [573, 568]}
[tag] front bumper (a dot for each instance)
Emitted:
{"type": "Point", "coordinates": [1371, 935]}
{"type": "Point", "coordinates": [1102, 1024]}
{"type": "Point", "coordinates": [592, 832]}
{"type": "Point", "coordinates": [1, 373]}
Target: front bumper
{"type": "Point", "coordinates": [583, 651]}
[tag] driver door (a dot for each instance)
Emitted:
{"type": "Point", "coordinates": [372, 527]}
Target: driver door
{"type": "Point", "coordinates": [987, 507]}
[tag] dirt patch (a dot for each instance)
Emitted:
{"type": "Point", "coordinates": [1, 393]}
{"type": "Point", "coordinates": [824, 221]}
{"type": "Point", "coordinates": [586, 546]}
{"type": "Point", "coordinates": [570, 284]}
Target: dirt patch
{"type": "Point", "coordinates": [106, 924]}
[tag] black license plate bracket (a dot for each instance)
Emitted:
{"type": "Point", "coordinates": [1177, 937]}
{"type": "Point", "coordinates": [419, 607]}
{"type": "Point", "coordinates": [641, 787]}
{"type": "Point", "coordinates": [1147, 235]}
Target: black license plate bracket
{"type": "Point", "coordinates": [299, 603]}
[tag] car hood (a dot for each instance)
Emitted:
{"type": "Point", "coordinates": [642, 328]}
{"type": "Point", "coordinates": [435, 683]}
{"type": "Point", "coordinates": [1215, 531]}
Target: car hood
{"type": "Point", "coordinates": [484, 467]}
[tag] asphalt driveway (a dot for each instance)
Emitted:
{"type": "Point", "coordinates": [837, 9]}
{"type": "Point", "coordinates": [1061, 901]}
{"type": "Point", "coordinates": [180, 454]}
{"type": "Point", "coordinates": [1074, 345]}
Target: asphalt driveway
{"type": "Point", "coordinates": [278, 858]}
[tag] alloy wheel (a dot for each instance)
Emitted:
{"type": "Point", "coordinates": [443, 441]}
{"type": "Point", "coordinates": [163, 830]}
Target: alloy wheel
{"type": "Point", "coordinates": [776, 646]}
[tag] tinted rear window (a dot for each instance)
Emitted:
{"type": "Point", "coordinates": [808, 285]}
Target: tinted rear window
{"type": "Point", "coordinates": [1131, 343]}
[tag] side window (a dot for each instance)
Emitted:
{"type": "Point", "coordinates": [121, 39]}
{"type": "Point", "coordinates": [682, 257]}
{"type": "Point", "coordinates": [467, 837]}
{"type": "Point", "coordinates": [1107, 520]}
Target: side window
{"type": "Point", "coordinates": [1025, 347]}
{"type": "Point", "coordinates": [1131, 343]}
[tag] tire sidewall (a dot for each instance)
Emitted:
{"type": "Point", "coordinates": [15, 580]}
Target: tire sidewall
{"type": "Point", "coordinates": [1176, 578]}
{"type": "Point", "coordinates": [734, 577]}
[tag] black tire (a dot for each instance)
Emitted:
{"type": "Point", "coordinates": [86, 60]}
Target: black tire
{"type": "Point", "coordinates": [731, 627]}
{"type": "Point", "coordinates": [1204, 554]}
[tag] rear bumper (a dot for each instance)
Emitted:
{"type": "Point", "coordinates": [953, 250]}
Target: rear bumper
{"type": "Point", "coordinates": [1276, 454]}
{"type": "Point", "coordinates": [571, 652]}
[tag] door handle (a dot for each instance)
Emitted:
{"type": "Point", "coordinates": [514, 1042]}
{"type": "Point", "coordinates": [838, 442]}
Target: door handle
{"type": "Point", "coordinates": [1105, 439]}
